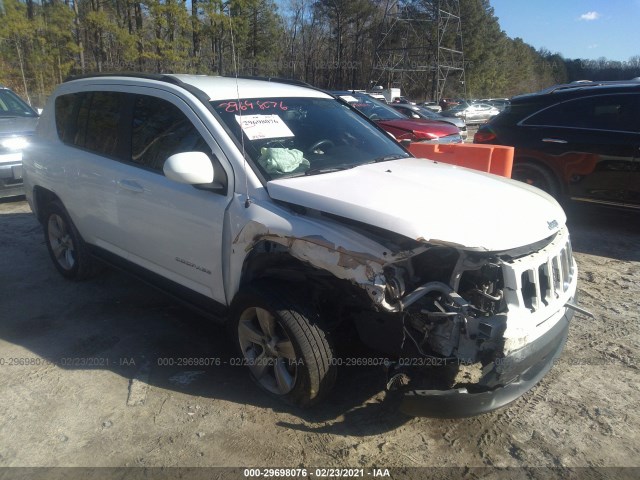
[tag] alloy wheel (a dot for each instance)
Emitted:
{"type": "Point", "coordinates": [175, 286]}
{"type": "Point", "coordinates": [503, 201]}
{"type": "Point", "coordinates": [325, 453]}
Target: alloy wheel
{"type": "Point", "coordinates": [61, 242]}
{"type": "Point", "coordinates": [268, 350]}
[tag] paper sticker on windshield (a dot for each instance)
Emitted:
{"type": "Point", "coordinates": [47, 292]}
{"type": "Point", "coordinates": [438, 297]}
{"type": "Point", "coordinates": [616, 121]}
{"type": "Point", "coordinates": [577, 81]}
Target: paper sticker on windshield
{"type": "Point", "coordinates": [257, 127]}
{"type": "Point", "coordinates": [349, 98]}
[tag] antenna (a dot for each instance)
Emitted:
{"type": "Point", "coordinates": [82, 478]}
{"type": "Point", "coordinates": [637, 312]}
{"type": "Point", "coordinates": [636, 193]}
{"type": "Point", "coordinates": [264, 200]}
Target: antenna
{"type": "Point", "coordinates": [247, 200]}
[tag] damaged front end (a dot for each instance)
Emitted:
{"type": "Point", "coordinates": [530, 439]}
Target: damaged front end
{"type": "Point", "coordinates": [478, 329]}
{"type": "Point", "coordinates": [467, 331]}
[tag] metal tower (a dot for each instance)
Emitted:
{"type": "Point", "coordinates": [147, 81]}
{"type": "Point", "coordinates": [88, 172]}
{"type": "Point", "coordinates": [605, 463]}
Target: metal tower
{"type": "Point", "coordinates": [419, 48]}
{"type": "Point", "coordinates": [450, 64]}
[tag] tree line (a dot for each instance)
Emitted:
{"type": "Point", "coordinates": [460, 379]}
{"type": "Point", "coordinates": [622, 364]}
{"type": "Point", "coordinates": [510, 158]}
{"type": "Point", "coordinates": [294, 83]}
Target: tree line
{"type": "Point", "coordinates": [327, 43]}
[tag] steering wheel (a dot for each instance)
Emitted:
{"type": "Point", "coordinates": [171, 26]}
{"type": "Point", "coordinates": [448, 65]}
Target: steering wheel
{"type": "Point", "coordinates": [319, 143]}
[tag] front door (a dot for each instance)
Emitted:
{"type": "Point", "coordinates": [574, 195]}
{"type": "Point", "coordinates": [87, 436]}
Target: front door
{"type": "Point", "coordinates": [172, 229]}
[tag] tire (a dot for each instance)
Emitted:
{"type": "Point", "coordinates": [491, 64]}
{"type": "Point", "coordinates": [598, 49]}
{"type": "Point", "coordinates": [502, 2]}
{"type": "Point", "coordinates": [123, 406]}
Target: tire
{"type": "Point", "coordinates": [279, 338]}
{"type": "Point", "coordinates": [536, 175]}
{"type": "Point", "coordinates": [68, 251]}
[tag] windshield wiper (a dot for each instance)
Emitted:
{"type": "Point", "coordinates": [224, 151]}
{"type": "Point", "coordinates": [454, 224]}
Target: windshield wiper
{"type": "Point", "coordinates": [387, 158]}
{"type": "Point", "coordinates": [335, 168]}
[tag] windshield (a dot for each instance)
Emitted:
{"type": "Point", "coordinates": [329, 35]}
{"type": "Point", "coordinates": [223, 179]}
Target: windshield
{"type": "Point", "coordinates": [434, 115]}
{"type": "Point", "coordinates": [460, 107]}
{"type": "Point", "coordinates": [423, 112]}
{"type": "Point", "coordinates": [372, 108]}
{"type": "Point", "coordinates": [11, 105]}
{"type": "Point", "coordinates": [304, 136]}
{"type": "Point", "coordinates": [426, 113]}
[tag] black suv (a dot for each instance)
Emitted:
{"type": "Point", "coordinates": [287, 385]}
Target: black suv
{"type": "Point", "coordinates": [576, 140]}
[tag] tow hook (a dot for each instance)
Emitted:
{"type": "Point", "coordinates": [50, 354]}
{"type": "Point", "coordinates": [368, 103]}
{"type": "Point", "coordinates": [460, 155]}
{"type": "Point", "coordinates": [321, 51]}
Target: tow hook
{"type": "Point", "coordinates": [573, 306]}
{"type": "Point", "coordinates": [398, 381]}
{"type": "Point", "coordinates": [397, 378]}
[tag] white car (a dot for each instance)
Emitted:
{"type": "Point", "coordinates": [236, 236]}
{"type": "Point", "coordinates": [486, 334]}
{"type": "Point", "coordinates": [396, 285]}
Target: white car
{"type": "Point", "coordinates": [288, 215]}
{"type": "Point", "coordinates": [433, 106]}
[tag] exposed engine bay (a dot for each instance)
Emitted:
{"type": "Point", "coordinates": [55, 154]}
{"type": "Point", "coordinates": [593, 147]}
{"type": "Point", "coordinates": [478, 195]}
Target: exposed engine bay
{"type": "Point", "coordinates": [450, 320]}
{"type": "Point", "coordinates": [470, 311]}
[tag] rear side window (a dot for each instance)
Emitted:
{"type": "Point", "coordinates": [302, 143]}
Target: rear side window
{"type": "Point", "coordinates": [603, 112]}
{"type": "Point", "coordinates": [65, 122]}
{"type": "Point", "coordinates": [101, 135]}
{"type": "Point", "coordinates": [94, 121]}
{"type": "Point", "coordinates": [159, 130]}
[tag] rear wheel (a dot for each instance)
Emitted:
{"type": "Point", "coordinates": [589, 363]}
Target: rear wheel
{"type": "Point", "coordinates": [281, 341]}
{"type": "Point", "coordinates": [65, 245]}
{"type": "Point", "coordinates": [536, 175]}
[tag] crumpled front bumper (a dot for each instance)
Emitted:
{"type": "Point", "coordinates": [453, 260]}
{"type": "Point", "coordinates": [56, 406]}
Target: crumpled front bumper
{"type": "Point", "coordinates": [515, 375]}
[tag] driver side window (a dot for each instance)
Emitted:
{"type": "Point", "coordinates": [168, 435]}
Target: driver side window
{"type": "Point", "coordinates": [159, 130]}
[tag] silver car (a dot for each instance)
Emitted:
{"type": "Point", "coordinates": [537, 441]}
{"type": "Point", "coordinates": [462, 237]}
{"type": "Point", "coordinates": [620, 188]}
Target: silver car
{"type": "Point", "coordinates": [472, 113]}
{"type": "Point", "coordinates": [17, 124]}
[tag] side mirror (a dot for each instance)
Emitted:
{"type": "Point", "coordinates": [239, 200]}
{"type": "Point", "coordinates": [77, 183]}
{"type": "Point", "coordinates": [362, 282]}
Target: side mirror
{"type": "Point", "coordinates": [192, 168]}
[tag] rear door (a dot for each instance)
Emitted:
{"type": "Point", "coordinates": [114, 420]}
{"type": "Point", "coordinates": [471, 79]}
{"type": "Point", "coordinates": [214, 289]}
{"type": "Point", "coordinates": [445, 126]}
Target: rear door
{"type": "Point", "coordinates": [589, 142]}
{"type": "Point", "coordinates": [90, 124]}
{"type": "Point", "coordinates": [633, 194]}
{"type": "Point", "coordinates": [634, 183]}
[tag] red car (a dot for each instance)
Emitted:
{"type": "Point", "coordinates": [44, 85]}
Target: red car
{"type": "Point", "coordinates": [401, 127]}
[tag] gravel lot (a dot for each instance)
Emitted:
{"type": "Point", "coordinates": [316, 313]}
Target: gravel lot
{"type": "Point", "coordinates": [82, 385]}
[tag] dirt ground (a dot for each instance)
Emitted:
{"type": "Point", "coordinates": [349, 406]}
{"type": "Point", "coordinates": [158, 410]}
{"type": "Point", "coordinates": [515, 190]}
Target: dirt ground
{"type": "Point", "coordinates": [82, 382]}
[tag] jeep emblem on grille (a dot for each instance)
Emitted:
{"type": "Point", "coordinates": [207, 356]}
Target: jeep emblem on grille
{"type": "Point", "coordinates": [552, 224]}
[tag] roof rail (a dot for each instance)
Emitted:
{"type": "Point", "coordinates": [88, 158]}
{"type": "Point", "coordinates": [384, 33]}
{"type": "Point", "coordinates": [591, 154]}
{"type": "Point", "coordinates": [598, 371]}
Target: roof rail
{"type": "Point", "coordinates": [289, 81]}
{"type": "Point", "coordinates": [587, 84]}
{"type": "Point", "coordinates": [149, 76]}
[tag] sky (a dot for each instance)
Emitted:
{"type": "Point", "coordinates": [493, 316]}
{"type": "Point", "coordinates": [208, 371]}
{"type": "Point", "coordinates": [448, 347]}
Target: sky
{"type": "Point", "coordinates": [586, 29]}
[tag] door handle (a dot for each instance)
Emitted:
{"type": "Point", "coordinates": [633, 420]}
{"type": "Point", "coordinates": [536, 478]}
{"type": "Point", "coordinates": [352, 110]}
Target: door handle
{"type": "Point", "coordinates": [131, 185]}
{"type": "Point", "coordinates": [554, 140]}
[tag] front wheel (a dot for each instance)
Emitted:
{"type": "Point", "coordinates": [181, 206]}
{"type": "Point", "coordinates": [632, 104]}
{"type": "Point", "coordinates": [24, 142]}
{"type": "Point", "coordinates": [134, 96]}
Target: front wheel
{"type": "Point", "coordinates": [536, 175]}
{"type": "Point", "coordinates": [280, 339]}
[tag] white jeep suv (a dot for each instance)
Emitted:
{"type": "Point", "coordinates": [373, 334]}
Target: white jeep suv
{"type": "Point", "coordinates": [287, 214]}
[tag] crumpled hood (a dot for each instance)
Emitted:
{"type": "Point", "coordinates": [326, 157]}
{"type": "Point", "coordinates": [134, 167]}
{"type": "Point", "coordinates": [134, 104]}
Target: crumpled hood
{"type": "Point", "coordinates": [431, 202]}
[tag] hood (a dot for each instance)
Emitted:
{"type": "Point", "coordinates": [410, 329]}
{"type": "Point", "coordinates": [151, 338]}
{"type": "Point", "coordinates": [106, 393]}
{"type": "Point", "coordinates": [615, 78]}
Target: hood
{"type": "Point", "coordinates": [17, 125]}
{"type": "Point", "coordinates": [440, 129]}
{"type": "Point", "coordinates": [431, 202]}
